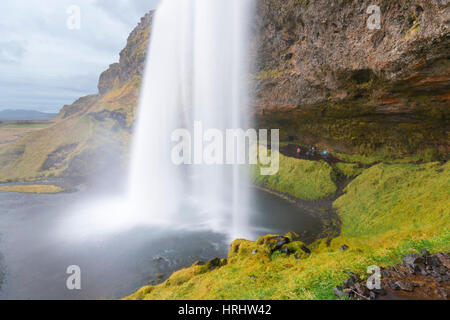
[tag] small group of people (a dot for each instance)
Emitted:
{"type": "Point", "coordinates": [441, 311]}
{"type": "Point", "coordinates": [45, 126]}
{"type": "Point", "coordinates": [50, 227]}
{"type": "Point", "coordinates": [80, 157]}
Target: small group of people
{"type": "Point", "coordinates": [312, 152]}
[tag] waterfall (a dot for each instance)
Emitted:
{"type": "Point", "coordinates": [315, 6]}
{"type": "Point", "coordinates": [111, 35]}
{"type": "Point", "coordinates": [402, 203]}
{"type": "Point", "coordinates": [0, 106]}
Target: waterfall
{"type": "Point", "coordinates": [196, 72]}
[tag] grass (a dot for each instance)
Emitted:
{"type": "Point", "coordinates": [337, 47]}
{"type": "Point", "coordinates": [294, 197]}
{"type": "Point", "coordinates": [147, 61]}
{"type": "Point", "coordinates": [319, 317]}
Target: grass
{"type": "Point", "coordinates": [349, 170]}
{"type": "Point", "coordinates": [307, 180]}
{"type": "Point", "coordinates": [394, 200]}
{"type": "Point", "coordinates": [388, 211]}
{"type": "Point", "coordinates": [24, 125]}
{"type": "Point", "coordinates": [427, 155]}
{"type": "Point", "coordinates": [23, 159]}
{"type": "Point", "coordinates": [39, 189]}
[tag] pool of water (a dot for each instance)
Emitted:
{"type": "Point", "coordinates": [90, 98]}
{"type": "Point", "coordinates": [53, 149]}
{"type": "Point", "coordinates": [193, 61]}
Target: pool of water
{"type": "Point", "coordinates": [35, 254]}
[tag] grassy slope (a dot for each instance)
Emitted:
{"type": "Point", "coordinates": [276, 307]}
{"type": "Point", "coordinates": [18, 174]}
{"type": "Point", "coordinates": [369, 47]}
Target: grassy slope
{"type": "Point", "coordinates": [23, 159]}
{"type": "Point", "coordinates": [387, 212]}
{"type": "Point", "coordinates": [307, 180]}
{"type": "Point", "coordinates": [40, 189]}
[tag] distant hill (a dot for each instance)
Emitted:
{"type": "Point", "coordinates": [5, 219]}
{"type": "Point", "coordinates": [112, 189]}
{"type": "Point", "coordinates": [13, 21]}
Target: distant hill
{"type": "Point", "coordinates": [25, 115]}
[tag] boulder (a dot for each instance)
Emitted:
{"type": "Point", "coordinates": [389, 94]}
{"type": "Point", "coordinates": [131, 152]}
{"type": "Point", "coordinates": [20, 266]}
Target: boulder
{"type": "Point", "coordinates": [425, 253]}
{"type": "Point", "coordinates": [385, 273]}
{"type": "Point", "coordinates": [215, 263]}
{"type": "Point", "coordinates": [393, 285]}
{"type": "Point", "coordinates": [298, 248]}
{"type": "Point", "coordinates": [340, 293]}
{"type": "Point", "coordinates": [444, 259]}
{"type": "Point", "coordinates": [198, 263]}
{"type": "Point", "coordinates": [273, 242]}
{"type": "Point", "coordinates": [415, 262]}
{"type": "Point", "coordinates": [405, 286]}
{"type": "Point", "coordinates": [350, 282]}
{"type": "Point", "coordinates": [292, 236]}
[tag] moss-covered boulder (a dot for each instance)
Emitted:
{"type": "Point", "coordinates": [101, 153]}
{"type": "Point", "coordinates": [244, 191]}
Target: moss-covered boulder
{"type": "Point", "coordinates": [292, 236]}
{"type": "Point", "coordinates": [214, 264]}
{"type": "Point", "coordinates": [248, 250]}
{"type": "Point", "coordinates": [297, 248]}
{"type": "Point", "coordinates": [273, 242]}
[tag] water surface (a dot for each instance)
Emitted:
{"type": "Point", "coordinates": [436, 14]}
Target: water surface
{"type": "Point", "coordinates": [35, 254]}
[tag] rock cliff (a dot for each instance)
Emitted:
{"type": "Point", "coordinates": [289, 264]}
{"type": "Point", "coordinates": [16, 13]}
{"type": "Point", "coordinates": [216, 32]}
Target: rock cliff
{"type": "Point", "coordinates": [326, 78]}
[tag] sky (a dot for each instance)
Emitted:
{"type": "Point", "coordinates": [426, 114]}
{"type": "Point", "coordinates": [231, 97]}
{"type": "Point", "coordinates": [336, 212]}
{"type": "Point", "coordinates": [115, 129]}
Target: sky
{"type": "Point", "coordinates": [46, 61]}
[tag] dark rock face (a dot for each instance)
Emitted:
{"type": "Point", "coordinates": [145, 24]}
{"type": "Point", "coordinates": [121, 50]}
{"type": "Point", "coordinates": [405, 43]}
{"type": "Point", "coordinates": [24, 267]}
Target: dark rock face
{"type": "Point", "coordinates": [109, 78]}
{"type": "Point", "coordinates": [78, 107]}
{"type": "Point", "coordinates": [405, 286]}
{"type": "Point", "coordinates": [323, 76]}
{"type": "Point", "coordinates": [132, 57]}
{"type": "Point", "coordinates": [56, 158]}
{"type": "Point", "coordinates": [312, 47]}
{"type": "Point", "coordinates": [118, 117]}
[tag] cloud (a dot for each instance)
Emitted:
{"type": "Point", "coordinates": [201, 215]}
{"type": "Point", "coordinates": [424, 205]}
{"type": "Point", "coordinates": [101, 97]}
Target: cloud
{"type": "Point", "coordinates": [125, 11]}
{"type": "Point", "coordinates": [12, 51]}
{"type": "Point", "coordinates": [44, 64]}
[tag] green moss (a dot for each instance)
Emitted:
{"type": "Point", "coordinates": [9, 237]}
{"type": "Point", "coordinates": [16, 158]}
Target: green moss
{"type": "Point", "coordinates": [268, 74]}
{"type": "Point", "coordinates": [396, 199]}
{"type": "Point", "coordinates": [297, 248]}
{"type": "Point", "coordinates": [292, 236]}
{"type": "Point", "coordinates": [307, 180]}
{"type": "Point", "coordinates": [349, 170]}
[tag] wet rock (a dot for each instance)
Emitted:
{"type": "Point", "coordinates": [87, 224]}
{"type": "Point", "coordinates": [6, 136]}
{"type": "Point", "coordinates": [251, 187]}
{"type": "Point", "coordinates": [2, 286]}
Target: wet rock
{"type": "Point", "coordinates": [425, 253]}
{"type": "Point", "coordinates": [432, 280]}
{"type": "Point", "coordinates": [405, 286]}
{"type": "Point", "coordinates": [385, 273]}
{"type": "Point", "coordinates": [159, 260]}
{"type": "Point", "coordinates": [361, 289]}
{"type": "Point", "coordinates": [293, 236]}
{"type": "Point", "coordinates": [380, 292]}
{"type": "Point", "coordinates": [350, 282]}
{"type": "Point", "coordinates": [433, 261]}
{"type": "Point", "coordinates": [436, 272]}
{"type": "Point", "coordinates": [355, 275]}
{"type": "Point", "coordinates": [198, 263]}
{"type": "Point", "coordinates": [274, 243]}
{"type": "Point", "coordinates": [285, 250]}
{"type": "Point", "coordinates": [306, 250]}
{"type": "Point", "coordinates": [216, 263]}
{"type": "Point", "coordinates": [442, 292]}
{"type": "Point", "coordinates": [444, 259]}
{"type": "Point", "coordinates": [340, 293]}
{"type": "Point", "coordinates": [343, 248]}
{"type": "Point", "coordinates": [393, 285]}
{"type": "Point", "coordinates": [442, 270]}
{"type": "Point", "coordinates": [410, 270]}
{"type": "Point", "coordinates": [414, 262]}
